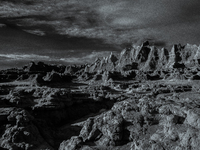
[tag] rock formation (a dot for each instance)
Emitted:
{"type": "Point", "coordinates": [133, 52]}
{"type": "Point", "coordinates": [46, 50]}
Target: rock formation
{"type": "Point", "coordinates": [146, 98]}
{"type": "Point", "coordinates": [149, 58]}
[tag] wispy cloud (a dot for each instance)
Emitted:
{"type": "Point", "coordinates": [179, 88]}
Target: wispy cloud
{"type": "Point", "coordinates": [2, 25]}
{"type": "Point", "coordinates": [114, 21]}
{"type": "Point", "coordinates": [23, 56]}
{"type": "Point", "coordinates": [86, 58]}
{"type": "Point", "coordinates": [36, 32]}
{"type": "Point", "coordinates": [19, 60]}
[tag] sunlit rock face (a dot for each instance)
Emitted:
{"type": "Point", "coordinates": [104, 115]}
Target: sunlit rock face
{"type": "Point", "coordinates": [106, 63]}
{"type": "Point", "coordinates": [149, 58]}
{"type": "Point", "coordinates": [184, 56]}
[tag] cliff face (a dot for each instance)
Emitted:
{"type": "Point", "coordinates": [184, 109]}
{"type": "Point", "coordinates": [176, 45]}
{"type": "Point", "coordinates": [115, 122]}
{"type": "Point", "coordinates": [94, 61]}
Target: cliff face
{"type": "Point", "coordinates": [106, 63]}
{"type": "Point", "coordinates": [149, 58]}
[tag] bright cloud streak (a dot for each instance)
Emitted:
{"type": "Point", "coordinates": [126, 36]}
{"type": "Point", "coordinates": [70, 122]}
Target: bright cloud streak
{"type": "Point", "coordinates": [86, 58]}
{"type": "Point", "coordinates": [23, 56]}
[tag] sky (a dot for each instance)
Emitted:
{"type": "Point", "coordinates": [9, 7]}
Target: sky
{"type": "Point", "coordinates": [77, 31]}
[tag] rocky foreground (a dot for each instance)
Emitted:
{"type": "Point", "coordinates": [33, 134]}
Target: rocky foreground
{"type": "Point", "coordinates": [144, 99]}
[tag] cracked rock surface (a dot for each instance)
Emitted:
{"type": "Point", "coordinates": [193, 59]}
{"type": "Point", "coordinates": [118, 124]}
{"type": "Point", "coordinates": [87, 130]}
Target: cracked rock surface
{"type": "Point", "coordinates": [144, 99]}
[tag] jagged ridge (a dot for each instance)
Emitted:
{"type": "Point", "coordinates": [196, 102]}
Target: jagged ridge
{"type": "Point", "coordinates": [149, 58]}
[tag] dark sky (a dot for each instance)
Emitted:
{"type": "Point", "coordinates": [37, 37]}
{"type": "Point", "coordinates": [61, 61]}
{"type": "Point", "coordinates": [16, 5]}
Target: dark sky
{"type": "Point", "coordinates": [84, 29]}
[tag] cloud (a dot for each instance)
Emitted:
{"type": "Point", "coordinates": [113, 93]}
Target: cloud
{"type": "Point", "coordinates": [145, 13]}
{"type": "Point", "coordinates": [114, 21]}
{"type": "Point", "coordinates": [83, 58]}
{"type": "Point", "coordinates": [23, 57]}
{"type": "Point", "coordinates": [86, 58]}
{"type": "Point", "coordinates": [2, 25]}
{"type": "Point", "coordinates": [19, 60]}
{"type": "Point", "coordinates": [36, 32]}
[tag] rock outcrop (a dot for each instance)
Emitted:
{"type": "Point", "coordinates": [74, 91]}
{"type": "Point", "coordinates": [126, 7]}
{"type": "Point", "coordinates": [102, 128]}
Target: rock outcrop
{"type": "Point", "coordinates": [20, 133]}
{"type": "Point", "coordinates": [149, 58]}
{"type": "Point", "coordinates": [146, 98]}
{"type": "Point", "coordinates": [42, 67]}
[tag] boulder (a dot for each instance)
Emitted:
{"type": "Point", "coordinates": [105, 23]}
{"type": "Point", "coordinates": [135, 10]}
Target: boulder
{"type": "Point", "coordinates": [21, 133]}
{"type": "Point", "coordinates": [73, 144]}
